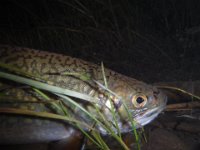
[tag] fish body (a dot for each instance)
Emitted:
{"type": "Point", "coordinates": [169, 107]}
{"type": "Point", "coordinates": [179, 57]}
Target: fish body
{"type": "Point", "coordinates": [144, 101]}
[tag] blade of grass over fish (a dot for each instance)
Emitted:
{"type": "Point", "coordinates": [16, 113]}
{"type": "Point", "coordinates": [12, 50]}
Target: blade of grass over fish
{"type": "Point", "coordinates": [126, 108]}
{"type": "Point", "coordinates": [96, 141]}
{"type": "Point", "coordinates": [64, 109]}
{"type": "Point", "coordinates": [99, 138]}
{"type": "Point", "coordinates": [47, 87]}
{"type": "Point", "coordinates": [43, 115]}
{"type": "Point", "coordinates": [100, 141]}
{"type": "Point", "coordinates": [133, 125]}
{"type": "Point", "coordinates": [82, 76]}
{"type": "Point", "coordinates": [68, 99]}
{"type": "Point", "coordinates": [106, 123]}
{"type": "Point", "coordinates": [110, 101]}
{"type": "Point", "coordinates": [107, 127]}
{"type": "Point", "coordinates": [90, 137]}
{"type": "Point", "coordinates": [45, 97]}
{"type": "Point", "coordinates": [96, 138]}
{"type": "Point", "coordinates": [106, 89]}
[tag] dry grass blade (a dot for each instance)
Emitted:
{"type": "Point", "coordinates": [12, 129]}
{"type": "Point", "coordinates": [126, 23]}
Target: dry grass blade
{"type": "Point", "coordinates": [183, 106]}
{"type": "Point", "coordinates": [42, 115]}
{"type": "Point", "coordinates": [180, 90]}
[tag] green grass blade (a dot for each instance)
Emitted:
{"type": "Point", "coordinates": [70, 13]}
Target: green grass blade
{"type": "Point", "coordinates": [45, 97]}
{"type": "Point", "coordinates": [47, 87]}
{"type": "Point", "coordinates": [82, 76]}
{"type": "Point", "coordinates": [110, 101]}
{"type": "Point", "coordinates": [66, 98]}
{"type": "Point", "coordinates": [133, 126]}
{"type": "Point", "coordinates": [100, 143]}
{"type": "Point", "coordinates": [96, 142]}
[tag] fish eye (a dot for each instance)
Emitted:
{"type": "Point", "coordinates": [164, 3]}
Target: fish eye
{"type": "Point", "coordinates": [139, 100]}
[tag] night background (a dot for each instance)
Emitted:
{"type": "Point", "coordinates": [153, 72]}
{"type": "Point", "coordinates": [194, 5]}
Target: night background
{"type": "Point", "coordinates": [149, 40]}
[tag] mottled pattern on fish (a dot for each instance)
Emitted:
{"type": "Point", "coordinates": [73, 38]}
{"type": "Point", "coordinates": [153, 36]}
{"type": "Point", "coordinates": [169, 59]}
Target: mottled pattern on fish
{"type": "Point", "coordinates": [47, 64]}
{"type": "Point", "coordinates": [50, 67]}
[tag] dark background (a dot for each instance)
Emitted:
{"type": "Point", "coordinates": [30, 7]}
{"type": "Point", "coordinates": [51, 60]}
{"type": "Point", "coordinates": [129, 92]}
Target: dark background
{"type": "Point", "coordinates": [150, 40]}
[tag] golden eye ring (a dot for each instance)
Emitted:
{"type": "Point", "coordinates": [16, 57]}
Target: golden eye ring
{"type": "Point", "coordinates": [139, 100]}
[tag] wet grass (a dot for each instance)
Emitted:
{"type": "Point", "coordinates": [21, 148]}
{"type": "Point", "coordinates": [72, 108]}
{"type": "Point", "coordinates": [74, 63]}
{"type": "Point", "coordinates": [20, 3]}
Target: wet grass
{"type": "Point", "coordinates": [65, 97]}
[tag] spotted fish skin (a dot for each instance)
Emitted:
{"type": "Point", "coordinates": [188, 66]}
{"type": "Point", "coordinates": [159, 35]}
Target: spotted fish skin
{"type": "Point", "coordinates": [50, 68]}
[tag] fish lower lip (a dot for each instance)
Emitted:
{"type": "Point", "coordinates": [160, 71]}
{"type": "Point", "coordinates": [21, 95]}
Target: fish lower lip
{"type": "Point", "coordinates": [148, 116]}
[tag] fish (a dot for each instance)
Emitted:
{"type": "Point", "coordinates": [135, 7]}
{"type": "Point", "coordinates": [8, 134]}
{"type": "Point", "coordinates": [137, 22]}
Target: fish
{"type": "Point", "coordinates": [144, 102]}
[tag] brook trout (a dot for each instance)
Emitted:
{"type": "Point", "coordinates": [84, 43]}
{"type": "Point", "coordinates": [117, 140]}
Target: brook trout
{"type": "Point", "coordinates": [144, 101]}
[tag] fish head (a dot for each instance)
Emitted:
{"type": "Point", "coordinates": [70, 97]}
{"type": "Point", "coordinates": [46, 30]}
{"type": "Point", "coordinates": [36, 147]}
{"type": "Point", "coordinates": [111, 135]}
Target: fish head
{"type": "Point", "coordinates": [147, 105]}
{"type": "Point", "coordinates": [137, 102]}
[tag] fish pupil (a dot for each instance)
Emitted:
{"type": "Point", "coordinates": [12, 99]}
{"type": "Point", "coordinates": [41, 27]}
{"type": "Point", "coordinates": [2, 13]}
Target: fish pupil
{"type": "Point", "coordinates": [140, 100]}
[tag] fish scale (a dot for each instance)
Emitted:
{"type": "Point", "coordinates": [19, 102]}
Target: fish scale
{"type": "Point", "coordinates": [51, 68]}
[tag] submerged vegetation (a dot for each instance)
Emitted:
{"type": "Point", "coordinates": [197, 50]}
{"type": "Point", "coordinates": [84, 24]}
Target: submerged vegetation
{"type": "Point", "coordinates": [65, 98]}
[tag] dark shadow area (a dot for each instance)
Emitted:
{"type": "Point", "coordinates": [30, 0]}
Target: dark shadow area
{"type": "Point", "coordinates": [148, 40]}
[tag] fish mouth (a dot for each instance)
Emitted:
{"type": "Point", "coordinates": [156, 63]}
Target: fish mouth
{"type": "Point", "coordinates": [146, 116]}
